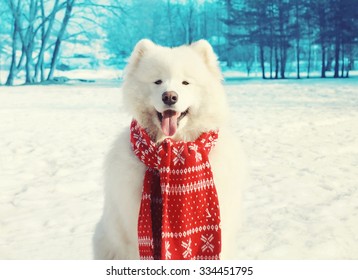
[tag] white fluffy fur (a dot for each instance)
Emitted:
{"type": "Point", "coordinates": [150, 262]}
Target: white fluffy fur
{"type": "Point", "coordinates": [116, 232]}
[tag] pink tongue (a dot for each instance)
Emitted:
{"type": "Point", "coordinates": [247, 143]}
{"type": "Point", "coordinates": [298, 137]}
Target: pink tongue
{"type": "Point", "coordinates": [170, 122]}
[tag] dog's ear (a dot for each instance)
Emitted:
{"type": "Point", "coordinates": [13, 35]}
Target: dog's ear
{"type": "Point", "coordinates": [138, 52]}
{"type": "Point", "coordinates": [205, 50]}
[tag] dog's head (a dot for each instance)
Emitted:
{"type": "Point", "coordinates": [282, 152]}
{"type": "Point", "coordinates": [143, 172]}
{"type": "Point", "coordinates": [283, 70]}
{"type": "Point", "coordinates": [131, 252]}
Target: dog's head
{"type": "Point", "coordinates": [174, 92]}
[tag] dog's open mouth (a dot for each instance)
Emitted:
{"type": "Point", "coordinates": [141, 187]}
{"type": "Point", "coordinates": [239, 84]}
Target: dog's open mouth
{"type": "Point", "coordinates": [169, 120]}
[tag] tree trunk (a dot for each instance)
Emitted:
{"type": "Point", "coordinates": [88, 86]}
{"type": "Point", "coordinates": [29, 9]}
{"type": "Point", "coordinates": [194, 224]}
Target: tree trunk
{"type": "Point", "coordinates": [15, 9]}
{"type": "Point", "coordinates": [297, 39]}
{"type": "Point", "coordinates": [262, 60]}
{"type": "Point", "coordinates": [329, 59]}
{"type": "Point", "coordinates": [298, 58]}
{"type": "Point", "coordinates": [43, 44]}
{"type": "Point", "coordinates": [69, 7]}
{"type": "Point", "coordinates": [309, 49]}
{"type": "Point", "coordinates": [28, 41]}
{"type": "Point", "coordinates": [336, 57]}
{"type": "Point", "coordinates": [277, 63]}
{"type": "Point", "coordinates": [321, 10]}
{"type": "Point", "coordinates": [339, 28]}
{"type": "Point", "coordinates": [323, 67]}
{"type": "Point", "coordinates": [229, 31]}
{"type": "Point", "coordinates": [11, 75]}
{"type": "Point", "coordinates": [309, 59]}
{"type": "Point", "coordinates": [271, 62]}
{"type": "Point", "coordinates": [28, 63]}
{"type": "Point", "coordinates": [350, 65]}
{"type": "Point", "coordinates": [282, 40]}
{"type": "Point", "coordinates": [342, 67]}
{"type": "Point", "coordinates": [54, 58]}
{"type": "Point", "coordinates": [283, 59]}
{"type": "Point", "coordinates": [44, 40]}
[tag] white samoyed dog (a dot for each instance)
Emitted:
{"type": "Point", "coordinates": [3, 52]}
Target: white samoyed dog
{"type": "Point", "coordinates": [186, 80]}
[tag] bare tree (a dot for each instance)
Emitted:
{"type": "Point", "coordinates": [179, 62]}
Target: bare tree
{"type": "Point", "coordinates": [67, 16]}
{"type": "Point", "coordinates": [45, 36]}
{"type": "Point", "coordinates": [33, 32]}
{"type": "Point", "coordinates": [187, 15]}
{"type": "Point", "coordinates": [15, 11]}
{"type": "Point", "coordinates": [297, 34]}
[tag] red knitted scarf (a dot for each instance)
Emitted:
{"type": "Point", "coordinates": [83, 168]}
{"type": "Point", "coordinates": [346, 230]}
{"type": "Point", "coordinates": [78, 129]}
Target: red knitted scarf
{"type": "Point", "coordinates": [179, 215]}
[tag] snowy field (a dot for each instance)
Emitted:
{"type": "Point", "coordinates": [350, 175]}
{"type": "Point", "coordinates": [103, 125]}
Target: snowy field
{"type": "Point", "coordinates": [301, 138]}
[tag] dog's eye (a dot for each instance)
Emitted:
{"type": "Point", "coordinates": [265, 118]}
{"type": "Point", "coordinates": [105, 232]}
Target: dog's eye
{"type": "Point", "coordinates": [185, 83]}
{"type": "Point", "coordinates": [158, 82]}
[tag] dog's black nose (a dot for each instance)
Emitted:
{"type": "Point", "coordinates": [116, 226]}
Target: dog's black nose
{"type": "Point", "coordinates": [170, 97]}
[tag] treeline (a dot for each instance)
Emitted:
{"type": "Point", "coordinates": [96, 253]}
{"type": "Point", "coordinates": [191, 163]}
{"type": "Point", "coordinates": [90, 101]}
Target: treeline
{"type": "Point", "coordinates": [278, 27]}
{"type": "Point", "coordinates": [33, 23]}
{"type": "Point", "coordinates": [275, 37]}
{"type": "Point", "coordinates": [33, 31]}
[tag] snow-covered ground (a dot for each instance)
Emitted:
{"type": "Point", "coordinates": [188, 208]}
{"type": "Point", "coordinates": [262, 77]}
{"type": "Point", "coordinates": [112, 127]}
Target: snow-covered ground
{"type": "Point", "coordinates": [301, 138]}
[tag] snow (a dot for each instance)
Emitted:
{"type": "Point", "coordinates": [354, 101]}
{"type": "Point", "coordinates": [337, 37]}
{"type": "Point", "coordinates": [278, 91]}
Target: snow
{"type": "Point", "coordinates": [86, 74]}
{"type": "Point", "coordinates": [301, 138]}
